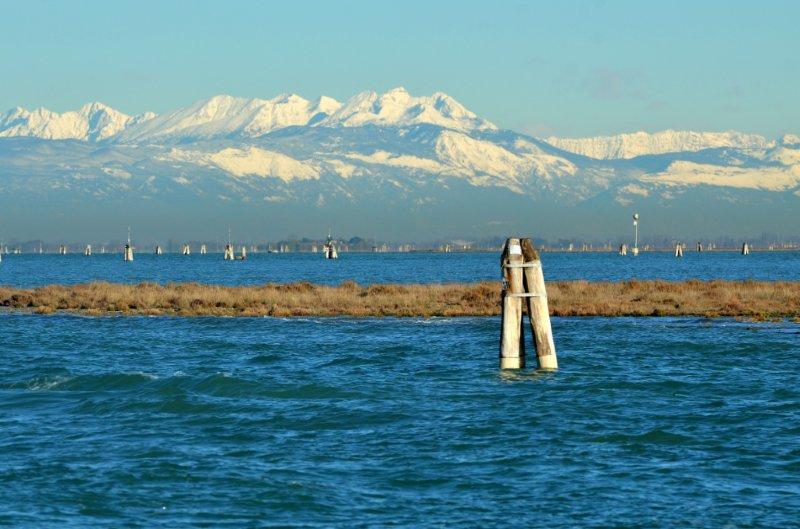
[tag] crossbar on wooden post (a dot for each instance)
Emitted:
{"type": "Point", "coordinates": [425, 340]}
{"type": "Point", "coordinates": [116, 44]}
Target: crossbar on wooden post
{"type": "Point", "coordinates": [538, 311]}
{"type": "Point", "coordinates": [512, 345]}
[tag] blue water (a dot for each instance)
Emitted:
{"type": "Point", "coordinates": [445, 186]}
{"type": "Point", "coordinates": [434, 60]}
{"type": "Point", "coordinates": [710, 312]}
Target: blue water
{"type": "Point", "coordinates": [215, 422]}
{"type": "Point", "coordinates": [32, 270]}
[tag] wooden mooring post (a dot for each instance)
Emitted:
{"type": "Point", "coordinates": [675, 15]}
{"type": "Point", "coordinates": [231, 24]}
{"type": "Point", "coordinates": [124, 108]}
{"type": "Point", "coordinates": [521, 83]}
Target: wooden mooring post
{"type": "Point", "coordinates": [523, 279]}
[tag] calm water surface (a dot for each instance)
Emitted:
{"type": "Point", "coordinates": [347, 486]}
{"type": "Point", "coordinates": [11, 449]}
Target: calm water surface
{"type": "Point", "coordinates": [32, 270]}
{"type": "Point", "coordinates": [171, 422]}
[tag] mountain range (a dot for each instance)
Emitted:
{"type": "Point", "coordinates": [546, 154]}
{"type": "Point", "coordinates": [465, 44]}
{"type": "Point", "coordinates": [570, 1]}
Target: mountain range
{"type": "Point", "coordinates": [388, 165]}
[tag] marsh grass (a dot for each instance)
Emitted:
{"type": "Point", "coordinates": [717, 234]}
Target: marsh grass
{"type": "Point", "coordinates": [746, 299]}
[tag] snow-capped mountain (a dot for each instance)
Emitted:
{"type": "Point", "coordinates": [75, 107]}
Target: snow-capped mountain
{"type": "Point", "coordinates": [393, 164]}
{"type": "Point", "coordinates": [641, 143]}
{"type": "Point", "coordinates": [92, 122]}
{"type": "Point", "coordinates": [398, 108]}
{"type": "Point", "coordinates": [223, 115]}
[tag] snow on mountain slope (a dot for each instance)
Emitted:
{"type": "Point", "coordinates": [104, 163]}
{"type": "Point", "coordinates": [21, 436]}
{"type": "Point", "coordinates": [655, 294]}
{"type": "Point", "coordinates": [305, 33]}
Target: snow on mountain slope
{"type": "Point", "coordinates": [250, 161]}
{"type": "Point", "coordinates": [481, 159]}
{"type": "Point", "coordinates": [789, 140]}
{"type": "Point", "coordinates": [92, 122]}
{"type": "Point", "coordinates": [224, 115]}
{"type": "Point", "coordinates": [784, 156]}
{"type": "Point", "coordinates": [398, 108]}
{"type": "Point", "coordinates": [769, 178]}
{"type": "Point", "coordinates": [642, 143]}
{"type": "Point", "coordinates": [405, 161]}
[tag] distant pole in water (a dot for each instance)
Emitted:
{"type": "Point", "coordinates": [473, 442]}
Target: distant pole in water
{"type": "Point", "coordinates": [635, 249]}
{"type": "Point", "coordinates": [745, 249]}
{"type": "Point", "coordinates": [678, 250]}
{"type": "Point", "coordinates": [128, 253]}
{"type": "Point", "coordinates": [329, 248]}
{"type": "Point", "coordinates": [228, 256]}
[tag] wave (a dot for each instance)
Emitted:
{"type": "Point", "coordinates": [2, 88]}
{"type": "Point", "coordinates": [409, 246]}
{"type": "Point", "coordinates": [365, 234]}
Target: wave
{"type": "Point", "coordinates": [89, 382]}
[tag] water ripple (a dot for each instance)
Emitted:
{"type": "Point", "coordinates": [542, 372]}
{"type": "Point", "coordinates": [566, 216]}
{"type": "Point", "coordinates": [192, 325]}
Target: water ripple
{"type": "Point", "coordinates": [173, 422]}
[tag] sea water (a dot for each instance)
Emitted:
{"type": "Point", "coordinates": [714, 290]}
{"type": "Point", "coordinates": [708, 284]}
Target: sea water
{"type": "Point", "coordinates": [26, 270]}
{"type": "Point", "coordinates": [265, 422]}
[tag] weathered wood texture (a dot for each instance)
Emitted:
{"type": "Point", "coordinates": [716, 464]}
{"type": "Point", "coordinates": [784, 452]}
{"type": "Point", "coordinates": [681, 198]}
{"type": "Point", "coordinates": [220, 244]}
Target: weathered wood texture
{"type": "Point", "coordinates": [512, 344]}
{"type": "Point", "coordinates": [538, 312]}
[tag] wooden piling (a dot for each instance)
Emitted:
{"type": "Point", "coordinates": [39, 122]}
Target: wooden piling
{"type": "Point", "coordinates": [536, 303]}
{"type": "Point", "coordinates": [512, 345]}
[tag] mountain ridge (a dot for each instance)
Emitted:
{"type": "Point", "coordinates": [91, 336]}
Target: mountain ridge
{"type": "Point", "coordinates": [391, 160]}
{"type": "Point", "coordinates": [224, 115]}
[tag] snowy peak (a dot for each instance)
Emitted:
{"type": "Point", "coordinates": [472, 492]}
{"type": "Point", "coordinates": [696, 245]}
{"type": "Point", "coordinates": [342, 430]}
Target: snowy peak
{"type": "Point", "coordinates": [237, 118]}
{"type": "Point", "coordinates": [667, 141]}
{"type": "Point", "coordinates": [326, 104]}
{"type": "Point", "coordinates": [224, 116]}
{"type": "Point", "coordinates": [399, 108]}
{"type": "Point", "coordinates": [102, 121]}
{"type": "Point", "coordinates": [789, 140]}
{"type": "Point", "coordinates": [92, 122]}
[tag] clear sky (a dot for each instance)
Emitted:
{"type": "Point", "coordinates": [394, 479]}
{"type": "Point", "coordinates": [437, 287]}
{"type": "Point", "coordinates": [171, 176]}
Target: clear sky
{"type": "Point", "coordinates": [568, 68]}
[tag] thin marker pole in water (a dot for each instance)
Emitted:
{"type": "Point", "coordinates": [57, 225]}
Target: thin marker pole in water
{"type": "Point", "coordinates": [128, 255]}
{"type": "Point", "coordinates": [228, 256]}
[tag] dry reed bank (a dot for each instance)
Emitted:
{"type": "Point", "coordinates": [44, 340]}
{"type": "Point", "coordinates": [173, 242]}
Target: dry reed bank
{"type": "Point", "coordinates": [747, 299]}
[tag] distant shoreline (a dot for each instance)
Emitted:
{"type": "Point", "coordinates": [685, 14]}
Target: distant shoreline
{"type": "Point", "coordinates": [718, 298]}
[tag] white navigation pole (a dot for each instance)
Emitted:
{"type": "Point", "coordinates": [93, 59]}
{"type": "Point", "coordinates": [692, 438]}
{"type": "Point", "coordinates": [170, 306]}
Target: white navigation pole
{"type": "Point", "coordinates": [128, 248]}
{"type": "Point", "coordinates": [635, 250]}
{"type": "Point", "coordinates": [228, 256]}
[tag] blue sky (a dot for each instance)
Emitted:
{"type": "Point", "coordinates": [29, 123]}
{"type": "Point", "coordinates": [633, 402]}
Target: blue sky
{"type": "Point", "coordinates": [568, 68]}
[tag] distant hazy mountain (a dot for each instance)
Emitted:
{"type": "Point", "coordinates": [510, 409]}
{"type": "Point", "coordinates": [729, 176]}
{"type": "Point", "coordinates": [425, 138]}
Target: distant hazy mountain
{"type": "Point", "coordinates": [642, 143]}
{"type": "Point", "coordinates": [388, 165]}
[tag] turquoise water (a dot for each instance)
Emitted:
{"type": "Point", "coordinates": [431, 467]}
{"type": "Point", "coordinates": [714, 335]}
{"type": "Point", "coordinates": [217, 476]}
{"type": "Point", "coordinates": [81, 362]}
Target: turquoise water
{"type": "Point", "coordinates": [214, 422]}
{"type": "Point", "coordinates": [366, 268]}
